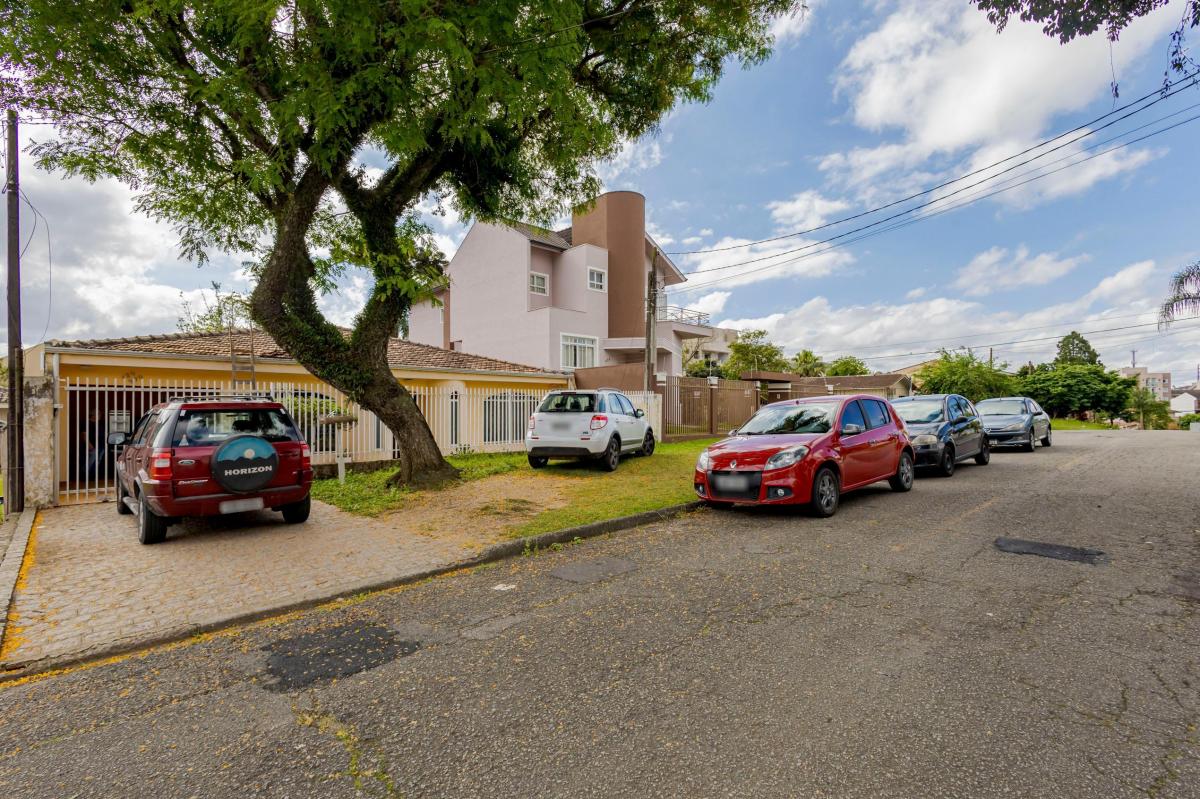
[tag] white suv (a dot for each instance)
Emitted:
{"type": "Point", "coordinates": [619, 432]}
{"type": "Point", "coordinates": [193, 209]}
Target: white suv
{"type": "Point", "coordinates": [600, 423]}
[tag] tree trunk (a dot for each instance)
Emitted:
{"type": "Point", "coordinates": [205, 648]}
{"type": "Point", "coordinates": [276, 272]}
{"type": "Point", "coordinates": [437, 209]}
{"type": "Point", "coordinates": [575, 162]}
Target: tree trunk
{"type": "Point", "coordinates": [284, 304]}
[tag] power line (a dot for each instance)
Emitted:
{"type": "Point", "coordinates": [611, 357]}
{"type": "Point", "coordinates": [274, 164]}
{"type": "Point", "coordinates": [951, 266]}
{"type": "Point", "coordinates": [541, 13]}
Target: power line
{"type": "Point", "coordinates": [1162, 93]}
{"type": "Point", "coordinates": [936, 200]}
{"type": "Point", "coordinates": [37, 214]}
{"type": "Point", "coordinates": [1021, 341]}
{"type": "Point", "coordinates": [982, 194]}
{"type": "Point", "coordinates": [1004, 331]}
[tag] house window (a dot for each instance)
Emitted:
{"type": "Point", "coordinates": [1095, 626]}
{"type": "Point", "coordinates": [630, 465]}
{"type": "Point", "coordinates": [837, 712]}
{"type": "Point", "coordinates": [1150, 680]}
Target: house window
{"type": "Point", "coordinates": [539, 283]}
{"type": "Point", "coordinates": [597, 279]}
{"type": "Point", "coordinates": [578, 352]}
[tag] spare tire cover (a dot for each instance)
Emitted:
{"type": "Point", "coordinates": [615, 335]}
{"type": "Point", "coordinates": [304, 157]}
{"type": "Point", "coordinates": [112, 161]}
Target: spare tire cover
{"type": "Point", "coordinates": [244, 463]}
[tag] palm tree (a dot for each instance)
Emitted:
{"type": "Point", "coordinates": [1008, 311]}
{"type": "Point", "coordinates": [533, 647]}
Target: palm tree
{"type": "Point", "coordinates": [1185, 295]}
{"type": "Point", "coordinates": [807, 364]}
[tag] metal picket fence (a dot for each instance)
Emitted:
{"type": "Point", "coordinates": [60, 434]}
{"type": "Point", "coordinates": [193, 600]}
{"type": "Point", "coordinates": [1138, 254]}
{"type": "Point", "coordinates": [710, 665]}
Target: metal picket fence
{"type": "Point", "coordinates": [475, 419]}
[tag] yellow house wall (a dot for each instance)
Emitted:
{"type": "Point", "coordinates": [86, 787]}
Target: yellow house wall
{"type": "Point", "coordinates": [119, 369]}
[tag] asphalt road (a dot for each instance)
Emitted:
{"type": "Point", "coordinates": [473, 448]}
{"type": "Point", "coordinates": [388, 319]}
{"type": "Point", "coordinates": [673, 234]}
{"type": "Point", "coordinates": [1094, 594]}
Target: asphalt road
{"type": "Point", "coordinates": [889, 651]}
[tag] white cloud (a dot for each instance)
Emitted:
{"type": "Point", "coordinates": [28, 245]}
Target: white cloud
{"type": "Point", "coordinates": [805, 210]}
{"type": "Point", "coordinates": [915, 294]}
{"type": "Point", "coordinates": [907, 331]}
{"type": "Point", "coordinates": [995, 270]}
{"type": "Point", "coordinates": [937, 73]}
{"type": "Point", "coordinates": [706, 231]}
{"type": "Point", "coordinates": [658, 234]}
{"type": "Point", "coordinates": [787, 28]}
{"type": "Point", "coordinates": [795, 257]}
{"type": "Point", "coordinates": [692, 240]}
{"type": "Point", "coordinates": [633, 157]}
{"type": "Point", "coordinates": [712, 303]}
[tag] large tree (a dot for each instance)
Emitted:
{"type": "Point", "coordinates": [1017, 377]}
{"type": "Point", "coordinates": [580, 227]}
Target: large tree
{"type": "Point", "coordinates": [307, 131]}
{"type": "Point", "coordinates": [753, 352]}
{"type": "Point", "coordinates": [807, 363]}
{"type": "Point", "coordinates": [846, 366]}
{"type": "Point", "coordinates": [1074, 348]}
{"type": "Point", "coordinates": [963, 373]}
{"type": "Point", "coordinates": [1075, 389]}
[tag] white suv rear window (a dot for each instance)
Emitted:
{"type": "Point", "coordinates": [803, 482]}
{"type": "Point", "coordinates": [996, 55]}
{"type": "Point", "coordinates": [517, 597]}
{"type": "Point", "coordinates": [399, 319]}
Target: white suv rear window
{"type": "Point", "coordinates": [569, 403]}
{"type": "Point", "coordinates": [206, 428]}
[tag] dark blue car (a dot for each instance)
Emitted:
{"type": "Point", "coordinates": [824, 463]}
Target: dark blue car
{"type": "Point", "coordinates": [1015, 422]}
{"type": "Point", "coordinates": [944, 429]}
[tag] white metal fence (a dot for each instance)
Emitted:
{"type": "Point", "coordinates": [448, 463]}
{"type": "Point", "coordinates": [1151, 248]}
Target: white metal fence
{"type": "Point", "coordinates": [475, 419]}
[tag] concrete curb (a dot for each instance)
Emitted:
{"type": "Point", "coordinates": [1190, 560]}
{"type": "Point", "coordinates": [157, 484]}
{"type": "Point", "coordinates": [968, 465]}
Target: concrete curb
{"type": "Point", "coordinates": [10, 566]}
{"type": "Point", "coordinates": [14, 670]}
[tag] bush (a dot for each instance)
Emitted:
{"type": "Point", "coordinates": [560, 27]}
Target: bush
{"type": "Point", "coordinates": [1187, 419]}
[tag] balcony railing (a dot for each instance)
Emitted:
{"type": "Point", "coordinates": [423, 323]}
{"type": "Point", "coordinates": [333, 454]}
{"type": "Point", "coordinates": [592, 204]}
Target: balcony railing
{"type": "Point", "coordinates": [672, 313]}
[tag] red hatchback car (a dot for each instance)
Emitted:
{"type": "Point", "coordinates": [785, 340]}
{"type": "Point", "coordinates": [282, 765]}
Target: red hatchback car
{"type": "Point", "coordinates": [807, 452]}
{"type": "Point", "coordinates": [206, 457]}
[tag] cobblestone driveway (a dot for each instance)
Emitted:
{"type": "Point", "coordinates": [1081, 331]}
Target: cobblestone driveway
{"type": "Point", "coordinates": [90, 587]}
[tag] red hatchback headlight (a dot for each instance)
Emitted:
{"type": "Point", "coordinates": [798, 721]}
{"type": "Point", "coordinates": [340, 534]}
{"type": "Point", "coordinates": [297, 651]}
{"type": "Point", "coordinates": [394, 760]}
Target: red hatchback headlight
{"type": "Point", "coordinates": [786, 457]}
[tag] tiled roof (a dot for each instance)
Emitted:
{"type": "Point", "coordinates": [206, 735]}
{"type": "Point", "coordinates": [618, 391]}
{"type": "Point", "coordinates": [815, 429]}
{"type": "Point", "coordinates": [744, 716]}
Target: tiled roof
{"type": "Point", "coordinates": [401, 354]}
{"type": "Point", "coordinates": [540, 235]}
{"type": "Point", "coordinates": [565, 234]}
{"type": "Point", "coordinates": [885, 380]}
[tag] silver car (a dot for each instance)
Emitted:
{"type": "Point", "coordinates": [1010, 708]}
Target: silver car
{"type": "Point", "coordinates": [600, 424]}
{"type": "Point", "coordinates": [1015, 422]}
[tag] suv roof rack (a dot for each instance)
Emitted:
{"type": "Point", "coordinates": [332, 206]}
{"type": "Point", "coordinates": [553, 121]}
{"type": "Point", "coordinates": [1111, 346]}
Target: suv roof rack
{"type": "Point", "coordinates": [260, 396]}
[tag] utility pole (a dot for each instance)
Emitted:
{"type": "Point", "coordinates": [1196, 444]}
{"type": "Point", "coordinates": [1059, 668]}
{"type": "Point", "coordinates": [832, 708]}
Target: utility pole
{"type": "Point", "coordinates": [1133, 358]}
{"type": "Point", "coordinates": [14, 482]}
{"type": "Point", "coordinates": [651, 322]}
{"type": "Point", "coordinates": [990, 357]}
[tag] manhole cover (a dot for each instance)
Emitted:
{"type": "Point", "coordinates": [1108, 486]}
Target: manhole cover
{"type": "Point", "coordinates": [1019, 546]}
{"type": "Point", "coordinates": [332, 653]}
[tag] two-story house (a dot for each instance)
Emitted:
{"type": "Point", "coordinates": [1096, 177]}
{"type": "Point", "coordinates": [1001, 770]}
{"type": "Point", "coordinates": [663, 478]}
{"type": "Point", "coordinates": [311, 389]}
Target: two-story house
{"type": "Point", "coordinates": [566, 299]}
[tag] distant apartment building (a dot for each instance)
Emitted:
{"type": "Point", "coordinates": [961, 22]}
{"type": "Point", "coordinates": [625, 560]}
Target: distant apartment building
{"type": "Point", "coordinates": [1159, 383]}
{"type": "Point", "coordinates": [566, 299]}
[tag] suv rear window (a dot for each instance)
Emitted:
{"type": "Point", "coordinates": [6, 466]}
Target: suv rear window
{"type": "Point", "coordinates": [204, 427]}
{"type": "Point", "coordinates": [569, 403]}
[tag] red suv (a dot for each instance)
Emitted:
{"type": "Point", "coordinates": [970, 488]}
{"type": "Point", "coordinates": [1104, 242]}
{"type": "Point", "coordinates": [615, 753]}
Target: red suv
{"type": "Point", "coordinates": [807, 451]}
{"type": "Point", "coordinates": [206, 457]}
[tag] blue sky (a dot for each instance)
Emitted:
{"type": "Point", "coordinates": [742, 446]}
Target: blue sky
{"type": "Point", "coordinates": [861, 104]}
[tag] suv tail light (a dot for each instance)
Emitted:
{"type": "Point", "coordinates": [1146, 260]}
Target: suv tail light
{"type": "Point", "coordinates": [598, 421]}
{"type": "Point", "coordinates": [160, 465]}
{"type": "Point", "coordinates": [305, 456]}
{"type": "Point", "coordinates": [532, 422]}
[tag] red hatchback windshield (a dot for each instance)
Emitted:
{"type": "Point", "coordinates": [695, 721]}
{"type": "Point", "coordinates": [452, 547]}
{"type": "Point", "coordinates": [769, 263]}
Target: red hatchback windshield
{"type": "Point", "coordinates": [806, 417]}
{"type": "Point", "coordinates": [205, 427]}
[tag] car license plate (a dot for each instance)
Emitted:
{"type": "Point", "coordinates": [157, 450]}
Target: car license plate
{"type": "Point", "coordinates": [732, 482]}
{"type": "Point", "coordinates": [241, 505]}
{"type": "Point", "coordinates": [560, 426]}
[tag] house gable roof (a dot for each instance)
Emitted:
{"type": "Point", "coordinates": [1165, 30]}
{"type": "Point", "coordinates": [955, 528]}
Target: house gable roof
{"type": "Point", "coordinates": [877, 381]}
{"type": "Point", "coordinates": [401, 354]}
{"type": "Point", "coordinates": [541, 235]}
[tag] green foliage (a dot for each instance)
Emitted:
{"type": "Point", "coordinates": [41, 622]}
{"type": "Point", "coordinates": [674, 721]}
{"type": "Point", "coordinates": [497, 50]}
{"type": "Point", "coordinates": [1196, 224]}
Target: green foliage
{"type": "Point", "coordinates": [1189, 419]}
{"type": "Point", "coordinates": [640, 484]}
{"type": "Point", "coordinates": [1184, 297]}
{"type": "Point", "coordinates": [1068, 19]}
{"type": "Point", "coordinates": [753, 352]}
{"type": "Point", "coordinates": [1060, 423]}
{"type": "Point", "coordinates": [1074, 389]}
{"type": "Point", "coordinates": [807, 363]}
{"type": "Point", "coordinates": [369, 494]}
{"type": "Point", "coordinates": [226, 311]}
{"type": "Point", "coordinates": [1074, 348]}
{"type": "Point", "coordinates": [241, 123]}
{"type": "Point", "coordinates": [962, 373]}
{"type": "Point", "coordinates": [1149, 411]}
{"type": "Point", "coordinates": [845, 366]}
{"type": "Point", "coordinates": [700, 367]}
